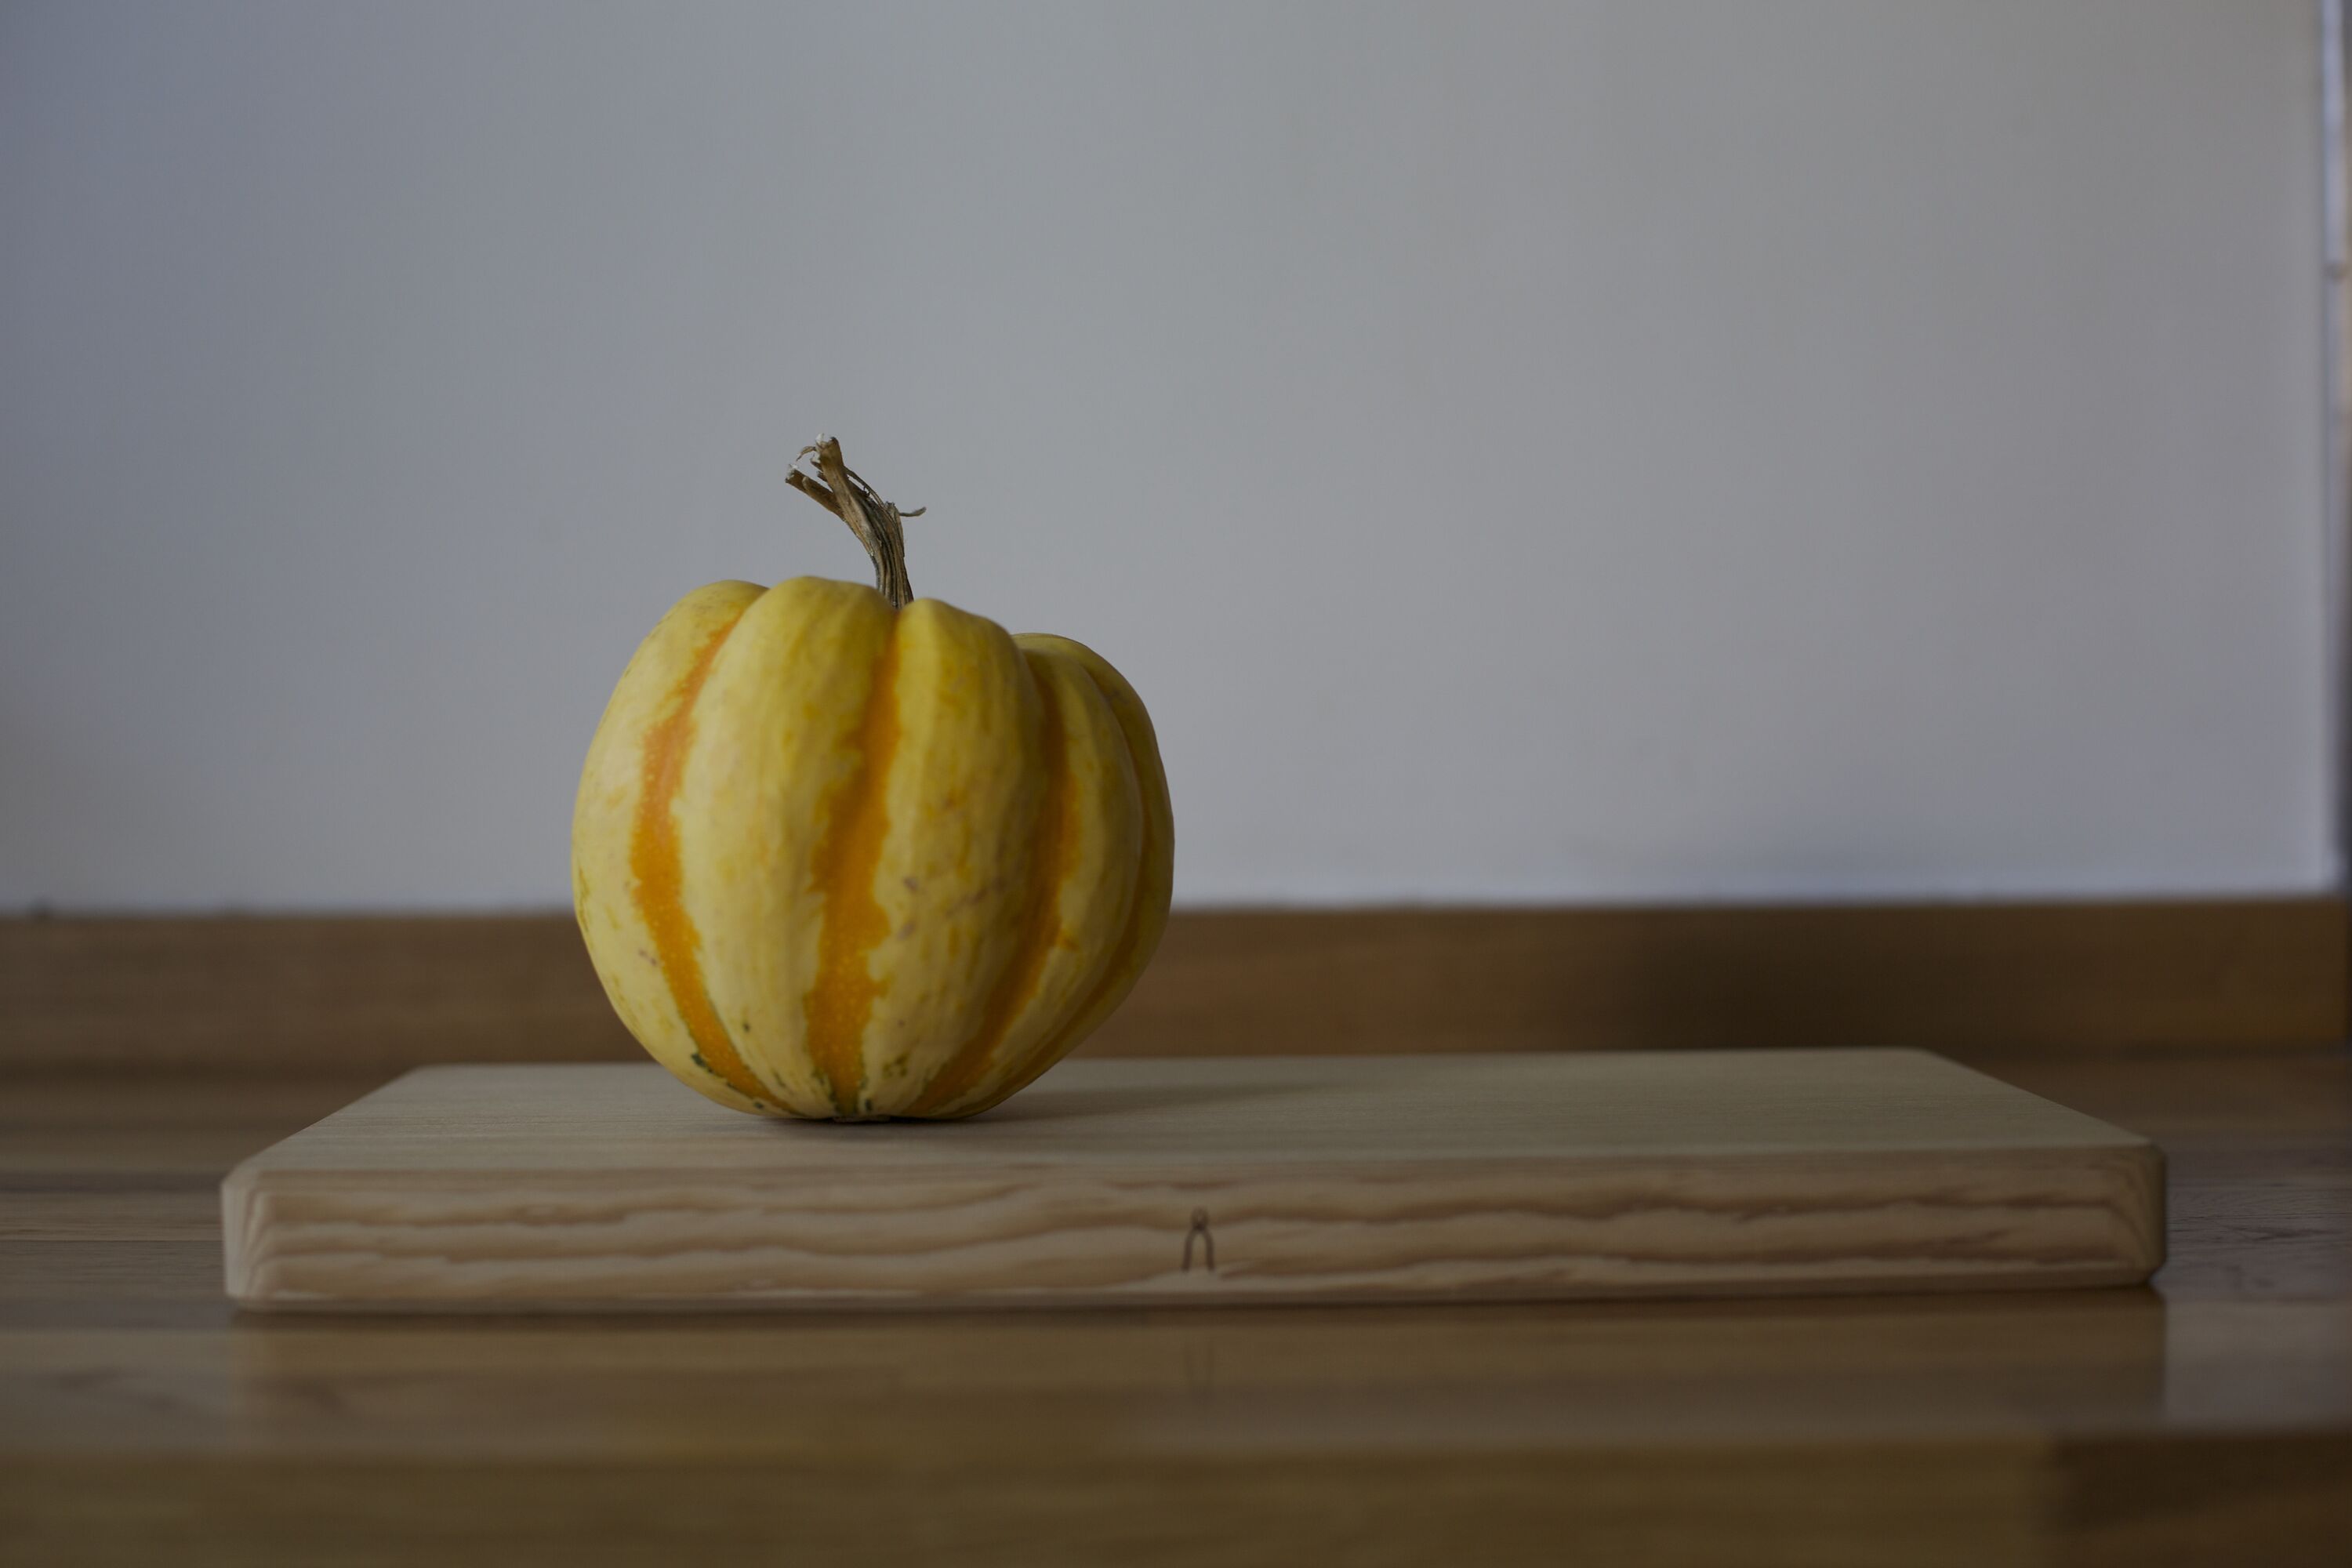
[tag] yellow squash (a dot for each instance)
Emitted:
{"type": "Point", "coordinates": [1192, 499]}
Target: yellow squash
{"type": "Point", "coordinates": [846, 853]}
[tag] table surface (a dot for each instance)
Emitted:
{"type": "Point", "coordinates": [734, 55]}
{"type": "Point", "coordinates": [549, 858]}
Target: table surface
{"type": "Point", "coordinates": [2207, 1418]}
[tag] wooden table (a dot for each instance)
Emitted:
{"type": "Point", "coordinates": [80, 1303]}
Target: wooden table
{"type": "Point", "coordinates": [2207, 1419]}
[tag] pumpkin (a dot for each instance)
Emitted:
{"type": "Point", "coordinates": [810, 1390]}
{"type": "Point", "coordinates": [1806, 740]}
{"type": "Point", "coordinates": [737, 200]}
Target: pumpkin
{"type": "Point", "coordinates": [839, 852]}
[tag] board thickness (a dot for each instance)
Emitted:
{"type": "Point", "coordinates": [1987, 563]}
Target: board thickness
{"type": "Point", "coordinates": [1203, 1180]}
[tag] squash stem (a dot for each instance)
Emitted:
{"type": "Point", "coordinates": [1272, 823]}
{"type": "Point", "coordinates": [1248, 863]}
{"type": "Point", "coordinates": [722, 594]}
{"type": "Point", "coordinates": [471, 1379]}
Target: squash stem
{"type": "Point", "coordinates": [874, 521]}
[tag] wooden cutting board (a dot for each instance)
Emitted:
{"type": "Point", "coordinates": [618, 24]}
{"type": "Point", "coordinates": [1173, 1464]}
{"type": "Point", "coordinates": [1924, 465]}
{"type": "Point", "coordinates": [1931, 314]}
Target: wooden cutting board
{"type": "Point", "coordinates": [1203, 1180]}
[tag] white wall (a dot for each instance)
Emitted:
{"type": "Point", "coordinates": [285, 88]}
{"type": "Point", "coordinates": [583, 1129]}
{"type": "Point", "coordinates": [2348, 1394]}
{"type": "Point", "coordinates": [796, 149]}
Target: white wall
{"type": "Point", "coordinates": [1603, 451]}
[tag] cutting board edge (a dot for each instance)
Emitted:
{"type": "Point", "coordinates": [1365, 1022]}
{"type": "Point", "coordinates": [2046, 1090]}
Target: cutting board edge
{"type": "Point", "coordinates": [2125, 1186]}
{"type": "Point", "coordinates": [2120, 1276]}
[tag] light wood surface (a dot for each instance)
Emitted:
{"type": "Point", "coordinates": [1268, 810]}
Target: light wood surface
{"type": "Point", "coordinates": [355, 994]}
{"type": "Point", "coordinates": [2205, 1419]}
{"type": "Point", "coordinates": [1468, 1178]}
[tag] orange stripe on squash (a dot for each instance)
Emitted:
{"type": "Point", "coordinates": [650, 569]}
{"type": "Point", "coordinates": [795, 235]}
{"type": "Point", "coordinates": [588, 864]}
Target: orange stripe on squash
{"type": "Point", "coordinates": [1041, 913]}
{"type": "Point", "coordinates": [1119, 972]}
{"type": "Point", "coordinates": [660, 880]}
{"type": "Point", "coordinates": [841, 1002]}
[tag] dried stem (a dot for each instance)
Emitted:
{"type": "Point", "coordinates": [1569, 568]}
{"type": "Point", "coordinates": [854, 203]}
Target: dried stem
{"type": "Point", "coordinates": [874, 521]}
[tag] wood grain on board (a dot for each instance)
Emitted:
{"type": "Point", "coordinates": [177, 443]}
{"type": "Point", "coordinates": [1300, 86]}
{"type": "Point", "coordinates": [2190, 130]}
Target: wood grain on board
{"type": "Point", "coordinates": [1274, 1178]}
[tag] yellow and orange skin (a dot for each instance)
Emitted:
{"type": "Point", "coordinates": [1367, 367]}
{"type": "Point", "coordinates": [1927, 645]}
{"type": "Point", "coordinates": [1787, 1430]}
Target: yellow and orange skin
{"type": "Point", "coordinates": [837, 860]}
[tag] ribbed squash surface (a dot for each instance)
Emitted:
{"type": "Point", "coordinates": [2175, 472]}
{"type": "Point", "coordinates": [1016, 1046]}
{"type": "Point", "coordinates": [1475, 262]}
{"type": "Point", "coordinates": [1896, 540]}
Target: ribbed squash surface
{"type": "Point", "coordinates": [837, 859]}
